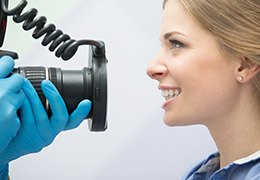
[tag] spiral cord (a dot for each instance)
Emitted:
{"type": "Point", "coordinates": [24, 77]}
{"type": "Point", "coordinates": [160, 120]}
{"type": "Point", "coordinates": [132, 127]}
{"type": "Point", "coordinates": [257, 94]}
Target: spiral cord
{"type": "Point", "coordinates": [61, 43]}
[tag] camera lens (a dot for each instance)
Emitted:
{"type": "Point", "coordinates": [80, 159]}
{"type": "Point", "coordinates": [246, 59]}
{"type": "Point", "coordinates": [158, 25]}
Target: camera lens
{"type": "Point", "coordinates": [74, 86]}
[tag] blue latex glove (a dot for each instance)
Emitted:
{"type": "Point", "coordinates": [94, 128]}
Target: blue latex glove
{"type": "Point", "coordinates": [37, 130]}
{"type": "Point", "coordinates": [11, 99]}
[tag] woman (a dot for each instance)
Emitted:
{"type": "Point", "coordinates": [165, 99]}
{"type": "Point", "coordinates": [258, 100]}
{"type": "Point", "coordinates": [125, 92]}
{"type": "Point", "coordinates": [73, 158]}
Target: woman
{"type": "Point", "coordinates": [208, 70]}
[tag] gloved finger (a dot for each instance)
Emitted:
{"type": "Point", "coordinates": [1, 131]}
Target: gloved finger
{"type": "Point", "coordinates": [60, 114]}
{"type": "Point", "coordinates": [26, 113]}
{"type": "Point", "coordinates": [8, 130]}
{"type": "Point", "coordinates": [13, 83]}
{"type": "Point", "coordinates": [30, 131]}
{"type": "Point", "coordinates": [39, 113]}
{"type": "Point", "coordinates": [79, 114]}
{"type": "Point", "coordinates": [15, 99]}
{"type": "Point", "coordinates": [6, 66]}
{"type": "Point", "coordinates": [9, 104]}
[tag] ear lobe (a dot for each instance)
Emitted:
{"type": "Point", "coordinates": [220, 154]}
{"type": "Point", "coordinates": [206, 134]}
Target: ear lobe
{"type": "Point", "coordinates": [247, 69]}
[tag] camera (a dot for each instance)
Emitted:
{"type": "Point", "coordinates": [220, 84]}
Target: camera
{"type": "Point", "coordinates": [73, 85]}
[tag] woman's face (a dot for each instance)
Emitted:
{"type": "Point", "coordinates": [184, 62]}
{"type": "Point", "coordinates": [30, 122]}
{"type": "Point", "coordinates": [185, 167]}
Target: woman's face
{"type": "Point", "coordinates": [191, 66]}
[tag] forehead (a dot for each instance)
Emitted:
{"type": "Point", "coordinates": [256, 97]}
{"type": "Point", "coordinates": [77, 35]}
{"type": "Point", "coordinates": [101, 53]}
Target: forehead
{"type": "Point", "coordinates": [177, 18]}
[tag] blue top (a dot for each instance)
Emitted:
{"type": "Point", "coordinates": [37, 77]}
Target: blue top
{"type": "Point", "coordinates": [247, 169]}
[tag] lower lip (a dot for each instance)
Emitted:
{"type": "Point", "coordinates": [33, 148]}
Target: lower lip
{"type": "Point", "coordinates": [168, 102]}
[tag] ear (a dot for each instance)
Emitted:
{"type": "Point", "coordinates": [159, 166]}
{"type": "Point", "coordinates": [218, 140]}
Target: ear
{"type": "Point", "coordinates": [246, 69]}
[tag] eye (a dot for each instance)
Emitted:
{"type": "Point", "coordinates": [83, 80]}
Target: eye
{"type": "Point", "coordinates": [175, 44]}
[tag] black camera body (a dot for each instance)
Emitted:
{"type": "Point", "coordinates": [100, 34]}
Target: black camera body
{"type": "Point", "coordinates": [73, 85]}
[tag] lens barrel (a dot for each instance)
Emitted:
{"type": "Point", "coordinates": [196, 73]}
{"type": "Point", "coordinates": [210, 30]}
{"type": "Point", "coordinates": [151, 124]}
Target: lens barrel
{"type": "Point", "coordinates": [35, 75]}
{"type": "Point", "coordinates": [74, 86]}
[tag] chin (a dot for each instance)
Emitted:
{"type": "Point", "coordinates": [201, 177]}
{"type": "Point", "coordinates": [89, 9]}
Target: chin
{"type": "Point", "coordinates": [173, 121]}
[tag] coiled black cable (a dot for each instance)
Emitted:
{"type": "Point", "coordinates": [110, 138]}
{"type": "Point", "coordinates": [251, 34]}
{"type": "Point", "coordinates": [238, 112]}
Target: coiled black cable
{"type": "Point", "coordinates": [66, 47]}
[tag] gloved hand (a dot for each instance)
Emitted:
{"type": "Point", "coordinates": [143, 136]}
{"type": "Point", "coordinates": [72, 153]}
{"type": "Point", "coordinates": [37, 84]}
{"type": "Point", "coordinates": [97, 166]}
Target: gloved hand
{"type": "Point", "coordinates": [11, 99]}
{"type": "Point", "coordinates": [37, 130]}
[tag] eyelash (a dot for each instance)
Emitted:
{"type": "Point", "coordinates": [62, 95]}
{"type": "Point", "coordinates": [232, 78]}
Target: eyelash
{"type": "Point", "coordinates": [175, 44]}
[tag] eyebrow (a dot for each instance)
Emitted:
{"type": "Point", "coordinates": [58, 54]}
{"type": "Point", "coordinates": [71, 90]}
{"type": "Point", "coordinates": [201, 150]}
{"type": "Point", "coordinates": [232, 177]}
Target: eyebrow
{"type": "Point", "coordinates": [169, 34]}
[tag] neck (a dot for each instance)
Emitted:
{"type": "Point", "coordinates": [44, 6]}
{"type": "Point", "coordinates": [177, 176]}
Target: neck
{"type": "Point", "coordinates": [237, 134]}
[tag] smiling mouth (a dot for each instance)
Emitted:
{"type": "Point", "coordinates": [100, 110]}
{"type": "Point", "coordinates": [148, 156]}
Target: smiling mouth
{"type": "Point", "coordinates": [170, 93]}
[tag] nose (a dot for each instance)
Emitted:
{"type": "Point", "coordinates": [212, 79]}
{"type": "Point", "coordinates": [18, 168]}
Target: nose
{"type": "Point", "coordinates": [156, 68]}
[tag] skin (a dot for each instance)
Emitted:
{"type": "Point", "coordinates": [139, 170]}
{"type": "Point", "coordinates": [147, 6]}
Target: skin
{"type": "Point", "coordinates": [192, 60]}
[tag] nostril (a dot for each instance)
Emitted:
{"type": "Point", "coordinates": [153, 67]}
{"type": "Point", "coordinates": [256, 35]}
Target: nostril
{"type": "Point", "coordinates": [156, 75]}
{"type": "Point", "coordinates": [156, 70]}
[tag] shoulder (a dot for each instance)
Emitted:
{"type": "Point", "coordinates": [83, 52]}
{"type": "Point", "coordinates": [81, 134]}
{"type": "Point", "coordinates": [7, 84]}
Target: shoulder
{"type": "Point", "coordinates": [204, 168]}
{"type": "Point", "coordinates": [248, 167]}
{"type": "Point", "coordinates": [245, 168]}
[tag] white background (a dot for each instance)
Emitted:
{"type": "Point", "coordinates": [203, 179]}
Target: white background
{"type": "Point", "coordinates": [137, 144]}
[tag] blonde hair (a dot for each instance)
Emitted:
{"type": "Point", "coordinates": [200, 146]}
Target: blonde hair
{"type": "Point", "coordinates": [235, 23]}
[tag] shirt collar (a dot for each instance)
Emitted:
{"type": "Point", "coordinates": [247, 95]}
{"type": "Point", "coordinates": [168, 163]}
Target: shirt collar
{"type": "Point", "coordinates": [211, 164]}
{"type": "Point", "coordinates": [248, 159]}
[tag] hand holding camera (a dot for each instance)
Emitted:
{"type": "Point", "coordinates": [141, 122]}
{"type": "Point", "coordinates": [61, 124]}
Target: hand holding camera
{"type": "Point", "coordinates": [32, 111]}
{"type": "Point", "coordinates": [32, 129]}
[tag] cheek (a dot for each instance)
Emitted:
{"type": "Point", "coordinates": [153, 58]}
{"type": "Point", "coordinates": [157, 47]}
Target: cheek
{"type": "Point", "coordinates": [207, 91]}
{"type": "Point", "coordinates": [206, 71]}
{"type": "Point", "coordinates": [213, 100]}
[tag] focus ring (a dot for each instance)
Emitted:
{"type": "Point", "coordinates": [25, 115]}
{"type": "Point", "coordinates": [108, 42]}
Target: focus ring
{"type": "Point", "coordinates": [36, 75]}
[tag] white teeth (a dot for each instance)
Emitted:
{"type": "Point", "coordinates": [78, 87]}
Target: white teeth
{"type": "Point", "coordinates": [164, 93]}
{"type": "Point", "coordinates": [170, 93]}
{"type": "Point", "coordinates": [177, 92]}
